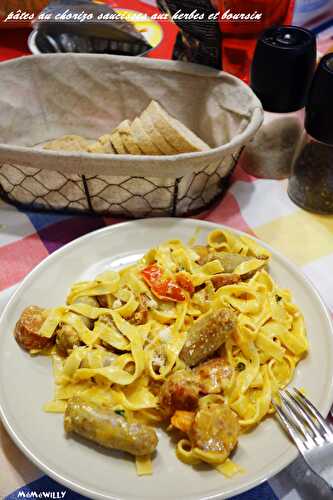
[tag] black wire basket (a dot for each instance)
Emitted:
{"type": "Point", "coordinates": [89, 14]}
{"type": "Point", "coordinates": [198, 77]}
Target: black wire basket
{"type": "Point", "coordinates": [132, 197]}
{"type": "Point", "coordinates": [90, 95]}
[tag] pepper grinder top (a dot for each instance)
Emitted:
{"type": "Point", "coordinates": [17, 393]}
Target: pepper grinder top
{"type": "Point", "coordinates": [283, 66]}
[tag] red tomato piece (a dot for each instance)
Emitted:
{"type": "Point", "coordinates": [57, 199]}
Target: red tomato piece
{"type": "Point", "coordinates": [152, 273]}
{"type": "Point", "coordinates": [165, 289]}
{"type": "Point", "coordinates": [185, 282]}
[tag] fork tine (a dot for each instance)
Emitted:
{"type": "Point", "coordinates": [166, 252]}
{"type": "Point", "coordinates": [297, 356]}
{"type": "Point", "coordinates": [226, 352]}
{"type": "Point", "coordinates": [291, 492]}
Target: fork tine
{"type": "Point", "coordinates": [310, 407]}
{"type": "Point", "coordinates": [289, 428]}
{"type": "Point", "coordinates": [294, 417]}
{"type": "Point", "coordinates": [299, 408]}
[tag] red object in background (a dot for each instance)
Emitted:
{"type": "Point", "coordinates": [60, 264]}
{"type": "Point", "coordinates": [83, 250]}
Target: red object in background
{"type": "Point", "coordinates": [239, 38]}
{"type": "Point", "coordinates": [13, 42]}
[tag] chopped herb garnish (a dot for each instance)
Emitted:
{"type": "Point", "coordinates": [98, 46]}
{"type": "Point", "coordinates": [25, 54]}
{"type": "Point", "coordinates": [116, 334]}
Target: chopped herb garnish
{"type": "Point", "coordinates": [120, 412]}
{"type": "Point", "coordinates": [278, 298]}
{"type": "Point", "coordinates": [241, 366]}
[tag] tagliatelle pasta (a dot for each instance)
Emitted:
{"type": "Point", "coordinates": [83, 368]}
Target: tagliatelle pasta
{"type": "Point", "coordinates": [130, 328]}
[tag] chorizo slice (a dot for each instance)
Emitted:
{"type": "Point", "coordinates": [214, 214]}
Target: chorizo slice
{"type": "Point", "coordinates": [213, 375]}
{"type": "Point", "coordinates": [229, 260]}
{"type": "Point", "coordinates": [215, 428]}
{"type": "Point", "coordinates": [225, 279]}
{"type": "Point", "coordinates": [27, 329]}
{"type": "Point", "coordinates": [67, 337]}
{"type": "Point", "coordinates": [180, 391]}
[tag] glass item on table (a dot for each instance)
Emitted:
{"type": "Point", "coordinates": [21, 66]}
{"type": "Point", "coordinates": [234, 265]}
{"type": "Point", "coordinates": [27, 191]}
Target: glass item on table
{"type": "Point", "coordinates": [239, 38]}
{"type": "Point", "coordinates": [311, 182]}
{"type": "Point", "coordinates": [269, 155]}
{"type": "Point", "coordinates": [281, 74]}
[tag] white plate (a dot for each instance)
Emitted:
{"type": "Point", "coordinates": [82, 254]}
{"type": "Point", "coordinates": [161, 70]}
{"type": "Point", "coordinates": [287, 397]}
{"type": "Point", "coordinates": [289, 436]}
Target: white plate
{"type": "Point", "coordinates": [26, 383]}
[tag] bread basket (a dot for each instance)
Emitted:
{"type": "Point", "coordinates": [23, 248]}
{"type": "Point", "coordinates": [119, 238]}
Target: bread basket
{"type": "Point", "coordinates": [44, 97]}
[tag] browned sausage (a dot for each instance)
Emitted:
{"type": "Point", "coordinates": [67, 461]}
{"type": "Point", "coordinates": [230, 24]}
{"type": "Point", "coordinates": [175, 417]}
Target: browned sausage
{"type": "Point", "coordinates": [102, 300]}
{"type": "Point", "coordinates": [27, 329]}
{"type": "Point", "coordinates": [180, 391]}
{"type": "Point", "coordinates": [215, 428]}
{"type": "Point", "coordinates": [140, 316]}
{"type": "Point", "coordinates": [213, 375]}
{"type": "Point", "coordinates": [67, 337]}
{"type": "Point", "coordinates": [207, 334]}
{"type": "Point", "coordinates": [105, 427]}
{"type": "Point", "coordinates": [225, 279]}
{"type": "Point", "coordinates": [229, 260]}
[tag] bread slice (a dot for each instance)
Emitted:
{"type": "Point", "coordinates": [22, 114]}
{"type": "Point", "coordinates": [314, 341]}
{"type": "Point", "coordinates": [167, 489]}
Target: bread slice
{"type": "Point", "coordinates": [124, 130]}
{"type": "Point", "coordinates": [181, 138]}
{"type": "Point", "coordinates": [74, 143]}
{"type": "Point", "coordinates": [117, 143]}
{"type": "Point", "coordinates": [142, 138]}
{"type": "Point", "coordinates": [102, 145]}
{"type": "Point", "coordinates": [155, 135]}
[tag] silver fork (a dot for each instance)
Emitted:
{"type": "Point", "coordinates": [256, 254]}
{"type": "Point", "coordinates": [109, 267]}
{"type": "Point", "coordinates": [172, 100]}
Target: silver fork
{"type": "Point", "coordinates": [309, 431]}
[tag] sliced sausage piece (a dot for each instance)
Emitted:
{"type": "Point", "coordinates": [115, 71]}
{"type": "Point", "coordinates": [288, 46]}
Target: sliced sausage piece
{"type": "Point", "coordinates": [140, 316]}
{"type": "Point", "coordinates": [215, 428]}
{"type": "Point", "coordinates": [27, 329]}
{"type": "Point", "coordinates": [207, 334]}
{"type": "Point", "coordinates": [229, 261]}
{"type": "Point", "coordinates": [180, 391]}
{"type": "Point", "coordinates": [67, 338]}
{"type": "Point", "coordinates": [102, 301]}
{"type": "Point", "coordinates": [213, 375]}
{"type": "Point", "coordinates": [105, 427]}
{"type": "Point", "coordinates": [225, 279]}
{"type": "Point", "coordinates": [98, 357]}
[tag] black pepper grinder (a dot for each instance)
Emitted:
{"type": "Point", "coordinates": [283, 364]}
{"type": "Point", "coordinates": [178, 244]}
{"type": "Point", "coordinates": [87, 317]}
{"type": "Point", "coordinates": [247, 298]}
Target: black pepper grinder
{"type": "Point", "coordinates": [282, 69]}
{"type": "Point", "coordinates": [311, 182]}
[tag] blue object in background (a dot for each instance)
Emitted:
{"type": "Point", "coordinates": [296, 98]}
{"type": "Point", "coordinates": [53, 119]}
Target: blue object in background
{"type": "Point", "coordinates": [45, 487]}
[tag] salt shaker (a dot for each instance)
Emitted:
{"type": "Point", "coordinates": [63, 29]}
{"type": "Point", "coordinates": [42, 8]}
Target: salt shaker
{"type": "Point", "coordinates": [281, 73]}
{"type": "Point", "coordinates": [311, 183]}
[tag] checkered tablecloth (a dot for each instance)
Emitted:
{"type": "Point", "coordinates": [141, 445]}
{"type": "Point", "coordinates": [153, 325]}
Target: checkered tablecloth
{"type": "Point", "coordinates": [256, 206]}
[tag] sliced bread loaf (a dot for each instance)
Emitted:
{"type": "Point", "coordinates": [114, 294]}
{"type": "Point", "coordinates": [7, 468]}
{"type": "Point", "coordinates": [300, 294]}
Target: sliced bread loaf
{"type": "Point", "coordinates": [74, 143]}
{"type": "Point", "coordinates": [102, 145]}
{"type": "Point", "coordinates": [117, 143]}
{"type": "Point", "coordinates": [155, 135]}
{"type": "Point", "coordinates": [128, 141]}
{"type": "Point", "coordinates": [181, 138]}
{"type": "Point", "coordinates": [142, 138]}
